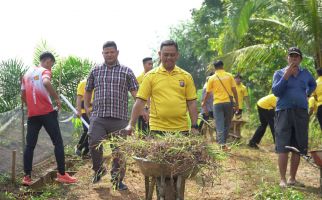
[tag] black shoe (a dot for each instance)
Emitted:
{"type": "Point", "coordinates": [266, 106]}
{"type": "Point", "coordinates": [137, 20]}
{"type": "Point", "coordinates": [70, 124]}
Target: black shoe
{"type": "Point", "coordinates": [121, 187]}
{"type": "Point", "coordinates": [253, 145]}
{"type": "Point", "coordinates": [98, 175]}
{"type": "Point", "coordinates": [78, 152]}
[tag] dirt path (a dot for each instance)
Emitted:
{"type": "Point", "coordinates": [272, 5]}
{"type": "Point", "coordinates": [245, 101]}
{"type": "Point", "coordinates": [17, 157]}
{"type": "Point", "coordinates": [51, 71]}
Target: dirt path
{"type": "Point", "coordinates": [241, 176]}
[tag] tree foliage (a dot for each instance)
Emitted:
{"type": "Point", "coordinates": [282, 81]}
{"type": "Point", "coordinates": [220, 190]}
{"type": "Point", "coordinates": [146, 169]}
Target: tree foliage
{"type": "Point", "coordinates": [11, 72]}
{"type": "Point", "coordinates": [67, 73]}
{"type": "Point", "coordinates": [251, 37]}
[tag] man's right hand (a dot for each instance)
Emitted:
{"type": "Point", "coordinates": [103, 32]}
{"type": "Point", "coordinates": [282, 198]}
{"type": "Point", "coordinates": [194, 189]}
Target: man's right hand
{"type": "Point", "coordinates": [58, 103]}
{"type": "Point", "coordinates": [79, 113]}
{"type": "Point", "coordinates": [129, 129]}
{"type": "Point", "coordinates": [290, 71]}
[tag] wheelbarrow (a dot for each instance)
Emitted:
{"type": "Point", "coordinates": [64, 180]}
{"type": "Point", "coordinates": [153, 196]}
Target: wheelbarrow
{"type": "Point", "coordinates": [161, 176]}
{"type": "Point", "coordinates": [314, 159]}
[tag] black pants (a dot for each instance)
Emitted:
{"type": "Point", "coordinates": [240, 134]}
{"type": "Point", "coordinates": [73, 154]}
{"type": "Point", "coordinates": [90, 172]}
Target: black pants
{"type": "Point", "coordinates": [319, 115]}
{"type": "Point", "coordinates": [206, 118]}
{"type": "Point", "coordinates": [143, 126]}
{"type": "Point", "coordinates": [34, 124]}
{"type": "Point", "coordinates": [83, 142]}
{"type": "Point", "coordinates": [266, 117]}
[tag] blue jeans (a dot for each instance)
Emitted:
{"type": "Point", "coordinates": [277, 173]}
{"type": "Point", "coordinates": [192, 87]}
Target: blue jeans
{"type": "Point", "coordinates": [223, 113]}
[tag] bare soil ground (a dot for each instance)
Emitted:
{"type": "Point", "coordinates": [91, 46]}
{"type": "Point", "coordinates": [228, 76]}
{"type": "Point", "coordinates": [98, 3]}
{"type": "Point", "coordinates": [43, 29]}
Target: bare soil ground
{"type": "Point", "coordinates": [240, 177]}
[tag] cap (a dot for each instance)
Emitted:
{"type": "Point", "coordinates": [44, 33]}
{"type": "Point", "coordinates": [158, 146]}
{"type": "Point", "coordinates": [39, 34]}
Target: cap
{"type": "Point", "coordinates": [294, 50]}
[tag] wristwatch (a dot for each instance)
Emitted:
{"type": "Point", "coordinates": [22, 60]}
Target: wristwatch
{"type": "Point", "coordinates": [195, 126]}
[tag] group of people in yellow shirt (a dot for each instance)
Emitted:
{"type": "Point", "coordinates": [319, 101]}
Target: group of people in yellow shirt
{"type": "Point", "coordinates": [167, 92]}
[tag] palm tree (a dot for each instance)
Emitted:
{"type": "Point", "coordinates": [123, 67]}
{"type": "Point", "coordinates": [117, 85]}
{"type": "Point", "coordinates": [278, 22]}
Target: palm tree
{"type": "Point", "coordinates": [294, 23]}
{"type": "Point", "coordinates": [11, 72]}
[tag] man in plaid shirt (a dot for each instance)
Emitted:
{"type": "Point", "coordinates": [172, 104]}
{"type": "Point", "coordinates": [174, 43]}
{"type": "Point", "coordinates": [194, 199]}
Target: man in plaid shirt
{"type": "Point", "coordinates": [111, 82]}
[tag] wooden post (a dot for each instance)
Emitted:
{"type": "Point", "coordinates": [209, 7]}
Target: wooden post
{"type": "Point", "coordinates": [151, 188]}
{"type": "Point", "coordinates": [13, 166]}
{"type": "Point", "coordinates": [147, 184]}
{"type": "Point", "coordinates": [321, 181]}
{"type": "Point", "coordinates": [23, 127]}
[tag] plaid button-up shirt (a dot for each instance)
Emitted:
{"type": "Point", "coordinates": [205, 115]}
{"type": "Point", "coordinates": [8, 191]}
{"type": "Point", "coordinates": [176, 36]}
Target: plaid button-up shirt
{"type": "Point", "coordinates": [111, 86]}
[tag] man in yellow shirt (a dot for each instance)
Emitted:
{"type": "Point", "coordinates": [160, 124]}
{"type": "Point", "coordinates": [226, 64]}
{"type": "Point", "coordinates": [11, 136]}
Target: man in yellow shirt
{"type": "Point", "coordinates": [242, 96]}
{"type": "Point", "coordinates": [318, 96]}
{"type": "Point", "coordinates": [312, 106]}
{"type": "Point", "coordinates": [223, 87]}
{"type": "Point", "coordinates": [172, 93]}
{"type": "Point", "coordinates": [147, 65]}
{"type": "Point", "coordinates": [82, 147]}
{"type": "Point", "coordinates": [266, 111]}
{"type": "Point", "coordinates": [143, 125]}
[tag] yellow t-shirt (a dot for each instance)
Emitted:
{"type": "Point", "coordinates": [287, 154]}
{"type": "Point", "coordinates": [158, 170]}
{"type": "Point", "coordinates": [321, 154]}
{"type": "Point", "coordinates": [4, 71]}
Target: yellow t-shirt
{"type": "Point", "coordinates": [168, 93]}
{"type": "Point", "coordinates": [242, 93]}
{"type": "Point", "coordinates": [318, 91]}
{"type": "Point", "coordinates": [140, 78]}
{"type": "Point", "coordinates": [81, 92]}
{"type": "Point", "coordinates": [313, 104]}
{"type": "Point", "coordinates": [268, 102]}
{"type": "Point", "coordinates": [214, 85]}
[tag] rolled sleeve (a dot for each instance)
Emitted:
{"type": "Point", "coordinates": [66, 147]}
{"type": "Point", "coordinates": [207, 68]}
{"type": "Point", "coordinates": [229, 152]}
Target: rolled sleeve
{"type": "Point", "coordinates": [132, 83]}
{"type": "Point", "coordinates": [245, 92]}
{"type": "Point", "coordinates": [90, 81]}
{"type": "Point", "coordinates": [145, 89]}
{"type": "Point", "coordinates": [233, 82]}
{"type": "Point", "coordinates": [209, 86]}
{"type": "Point", "coordinates": [81, 88]}
{"type": "Point", "coordinates": [190, 89]}
{"type": "Point", "coordinates": [46, 74]}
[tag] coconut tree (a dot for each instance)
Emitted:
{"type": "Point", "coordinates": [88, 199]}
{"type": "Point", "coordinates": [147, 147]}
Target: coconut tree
{"type": "Point", "coordinates": [293, 23]}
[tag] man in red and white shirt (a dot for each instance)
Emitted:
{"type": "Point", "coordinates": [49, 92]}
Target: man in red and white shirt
{"type": "Point", "coordinates": [36, 91]}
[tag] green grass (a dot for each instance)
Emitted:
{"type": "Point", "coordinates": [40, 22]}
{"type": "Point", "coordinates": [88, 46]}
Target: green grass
{"type": "Point", "coordinates": [274, 192]}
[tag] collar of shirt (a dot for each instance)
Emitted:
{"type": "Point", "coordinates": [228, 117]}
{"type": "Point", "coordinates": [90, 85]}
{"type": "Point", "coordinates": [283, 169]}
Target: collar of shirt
{"type": "Point", "coordinates": [164, 71]}
{"type": "Point", "coordinates": [219, 71]}
{"type": "Point", "coordinates": [114, 65]}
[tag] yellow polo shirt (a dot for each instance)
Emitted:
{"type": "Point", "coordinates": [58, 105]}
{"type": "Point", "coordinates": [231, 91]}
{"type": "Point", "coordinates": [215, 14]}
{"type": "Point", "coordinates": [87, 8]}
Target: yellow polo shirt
{"type": "Point", "coordinates": [242, 93]}
{"type": "Point", "coordinates": [268, 102]}
{"type": "Point", "coordinates": [81, 92]}
{"type": "Point", "coordinates": [168, 93]}
{"type": "Point", "coordinates": [214, 86]}
{"type": "Point", "coordinates": [318, 91]}
{"type": "Point", "coordinates": [140, 78]}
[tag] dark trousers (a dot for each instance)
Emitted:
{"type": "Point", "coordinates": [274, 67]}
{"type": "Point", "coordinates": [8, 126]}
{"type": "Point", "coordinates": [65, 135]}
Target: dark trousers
{"type": "Point", "coordinates": [143, 126]}
{"type": "Point", "coordinates": [319, 115]}
{"type": "Point", "coordinates": [266, 117]}
{"type": "Point", "coordinates": [83, 142]}
{"type": "Point", "coordinates": [100, 129]}
{"type": "Point", "coordinates": [34, 124]}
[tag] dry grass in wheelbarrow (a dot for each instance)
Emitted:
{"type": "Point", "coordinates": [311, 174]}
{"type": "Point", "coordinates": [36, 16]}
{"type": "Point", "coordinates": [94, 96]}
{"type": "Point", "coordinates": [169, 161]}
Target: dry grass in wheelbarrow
{"type": "Point", "coordinates": [179, 152]}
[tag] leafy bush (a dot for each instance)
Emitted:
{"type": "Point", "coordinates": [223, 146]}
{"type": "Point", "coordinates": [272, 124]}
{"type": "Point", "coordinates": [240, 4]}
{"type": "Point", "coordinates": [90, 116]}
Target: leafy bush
{"type": "Point", "coordinates": [11, 71]}
{"type": "Point", "coordinates": [72, 70]}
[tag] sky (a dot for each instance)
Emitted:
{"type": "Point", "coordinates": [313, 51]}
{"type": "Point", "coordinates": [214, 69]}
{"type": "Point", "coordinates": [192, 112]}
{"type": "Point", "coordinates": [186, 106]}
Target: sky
{"type": "Point", "coordinates": [80, 27]}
